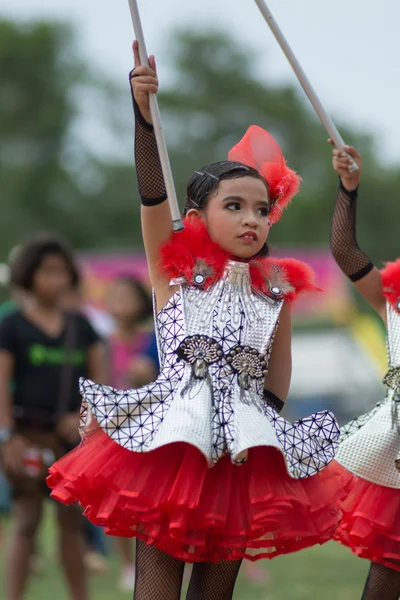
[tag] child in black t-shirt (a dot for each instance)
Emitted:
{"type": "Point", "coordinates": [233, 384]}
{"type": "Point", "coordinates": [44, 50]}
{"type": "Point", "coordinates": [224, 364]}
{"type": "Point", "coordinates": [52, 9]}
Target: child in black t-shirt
{"type": "Point", "coordinates": [43, 352]}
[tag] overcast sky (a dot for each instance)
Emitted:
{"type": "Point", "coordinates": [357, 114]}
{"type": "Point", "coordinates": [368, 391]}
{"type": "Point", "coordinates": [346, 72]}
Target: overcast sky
{"type": "Point", "coordinates": [348, 48]}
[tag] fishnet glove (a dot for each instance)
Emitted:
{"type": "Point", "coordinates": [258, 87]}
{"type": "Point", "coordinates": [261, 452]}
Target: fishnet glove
{"type": "Point", "coordinates": [352, 261]}
{"type": "Point", "coordinates": [148, 166]}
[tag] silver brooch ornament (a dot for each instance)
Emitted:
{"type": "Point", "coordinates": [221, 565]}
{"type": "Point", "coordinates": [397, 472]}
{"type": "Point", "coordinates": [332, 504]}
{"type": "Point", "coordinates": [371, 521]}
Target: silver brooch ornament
{"type": "Point", "coordinates": [248, 363]}
{"type": "Point", "coordinates": [275, 290]}
{"type": "Point", "coordinates": [201, 271]}
{"type": "Point", "coordinates": [392, 378]}
{"type": "Point", "coordinates": [200, 352]}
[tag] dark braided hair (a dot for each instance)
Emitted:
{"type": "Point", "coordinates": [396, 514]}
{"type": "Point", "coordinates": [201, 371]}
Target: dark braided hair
{"type": "Point", "coordinates": [205, 182]}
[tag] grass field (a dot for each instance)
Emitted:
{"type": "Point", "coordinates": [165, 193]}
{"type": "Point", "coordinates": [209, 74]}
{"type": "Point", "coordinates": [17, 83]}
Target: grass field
{"type": "Point", "coordinates": [324, 573]}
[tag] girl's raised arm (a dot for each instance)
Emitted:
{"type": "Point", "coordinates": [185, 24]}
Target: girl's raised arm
{"type": "Point", "coordinates": [155, 215]}
{"type": "Point", "coordinates": [352, 261]}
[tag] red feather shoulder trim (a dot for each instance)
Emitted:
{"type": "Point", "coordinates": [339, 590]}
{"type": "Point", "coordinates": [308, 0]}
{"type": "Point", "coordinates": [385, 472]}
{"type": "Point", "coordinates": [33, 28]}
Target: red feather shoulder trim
{"type": "Point", "coordinates": [299, 277]}
{"type": "Point", "coordinates": [183, 251]}
{"type": "Point", "coordinates": [191, 253]}
{"type": "Point", "coordinates": [391, 282]}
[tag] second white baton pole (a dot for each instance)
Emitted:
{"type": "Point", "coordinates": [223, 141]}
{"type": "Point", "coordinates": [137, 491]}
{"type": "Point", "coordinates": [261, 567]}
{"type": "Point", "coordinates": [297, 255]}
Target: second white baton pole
{"type": "Point", "coordinates": [301, 76]}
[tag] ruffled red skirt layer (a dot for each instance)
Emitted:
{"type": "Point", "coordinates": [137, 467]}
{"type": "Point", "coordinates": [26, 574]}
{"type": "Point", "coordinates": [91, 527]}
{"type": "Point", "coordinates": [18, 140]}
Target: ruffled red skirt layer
{"type": "Point", "coordinates": [170, 498]}
{"type": "Point", "coordinates": [371, 523]}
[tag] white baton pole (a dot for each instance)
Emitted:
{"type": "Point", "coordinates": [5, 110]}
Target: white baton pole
{"type": "Point", "coordinates": [306, 85]}
{"type": "Point", "coordinates": [177, 224]}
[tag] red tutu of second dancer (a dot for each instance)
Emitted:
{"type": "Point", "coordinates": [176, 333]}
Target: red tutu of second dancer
{"type": "Point", "coordinates": [171, 498]}
{"type": "Point", "coordinates": [371, 523]}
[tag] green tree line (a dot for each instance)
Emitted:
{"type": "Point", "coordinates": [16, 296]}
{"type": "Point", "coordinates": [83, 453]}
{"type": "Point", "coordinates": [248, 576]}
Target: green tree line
{"type": "Point", "coordinates": [51, 180]}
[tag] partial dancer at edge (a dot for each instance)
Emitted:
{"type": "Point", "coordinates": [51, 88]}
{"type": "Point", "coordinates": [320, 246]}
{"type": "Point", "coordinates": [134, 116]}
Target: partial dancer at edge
{"type": "Point", "coordinates": [370, 445]}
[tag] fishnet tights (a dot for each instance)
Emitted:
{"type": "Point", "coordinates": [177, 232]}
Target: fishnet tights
{"type": "Point", "coordinates": [213, 581]}
{"type": "Point", "coordinates": [382, 583]}
{"type": "Point", "coordinates": [159, 576]}
{"type": "Point", "coordinates": [148, 166]}
{"type": "Point", "coordinates": [352, 261]}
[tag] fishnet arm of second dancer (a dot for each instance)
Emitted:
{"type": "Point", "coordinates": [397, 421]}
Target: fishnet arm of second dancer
{"type": "Point", "coordinates": [382, 581]}
{"type": "Point", "coordinates": [155, 215]}
{"type": "Point", "coordinates": [350, 258]}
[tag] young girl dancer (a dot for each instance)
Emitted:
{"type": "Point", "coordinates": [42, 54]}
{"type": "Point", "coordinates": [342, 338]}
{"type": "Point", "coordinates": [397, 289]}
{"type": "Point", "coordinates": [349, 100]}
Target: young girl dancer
{"type": "Point", "coordinates": [199, 466]}
{"type": "Point", "coordinates": [370, 446]}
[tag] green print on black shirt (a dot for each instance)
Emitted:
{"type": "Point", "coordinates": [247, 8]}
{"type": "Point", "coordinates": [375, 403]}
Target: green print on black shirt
{"type": "Point", "coordinates": [39, 361]}
{"type": "Point", "coordinates": [48, 355]}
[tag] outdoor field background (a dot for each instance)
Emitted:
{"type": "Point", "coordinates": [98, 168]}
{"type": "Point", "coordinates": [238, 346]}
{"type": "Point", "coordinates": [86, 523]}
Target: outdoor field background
{"type": "Point", "coordinates": [329, 572]}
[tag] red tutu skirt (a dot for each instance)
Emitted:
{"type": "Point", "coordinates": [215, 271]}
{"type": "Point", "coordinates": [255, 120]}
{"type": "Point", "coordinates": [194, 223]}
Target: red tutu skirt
{"type": "Point", "coordinates": [170, 498]}
{"type": "Point", "coordinates": [371, 523]}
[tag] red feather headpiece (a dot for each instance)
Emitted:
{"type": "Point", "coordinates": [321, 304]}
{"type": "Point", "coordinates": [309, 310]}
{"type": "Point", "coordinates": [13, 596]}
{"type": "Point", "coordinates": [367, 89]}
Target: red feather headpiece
{"type": "Point", "coordinates": [259, 150]}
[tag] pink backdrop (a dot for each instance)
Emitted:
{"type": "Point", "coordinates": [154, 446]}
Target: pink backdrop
{"type": "Point", "coordinates": [335, 303]}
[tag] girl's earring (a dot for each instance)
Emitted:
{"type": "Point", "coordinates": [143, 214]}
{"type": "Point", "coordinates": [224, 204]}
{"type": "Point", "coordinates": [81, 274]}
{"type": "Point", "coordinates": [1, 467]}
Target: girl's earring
{"type": "Point", "coordinates": [269, 223]}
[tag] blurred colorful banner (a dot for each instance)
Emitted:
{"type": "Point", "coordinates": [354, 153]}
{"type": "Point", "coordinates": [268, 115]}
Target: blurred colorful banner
{"type": "Point", "coordinates": [334, 304]}
{"type": "Point", "coordinates": [99, 270]}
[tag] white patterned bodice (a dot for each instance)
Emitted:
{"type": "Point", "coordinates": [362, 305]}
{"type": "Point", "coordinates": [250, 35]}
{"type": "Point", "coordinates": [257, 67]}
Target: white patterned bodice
{"type": "Point", "coordinates": [242, 324]}
{"type": "Point", "coordinates": [214, 346]}
{"type": "Point", "coordinates": [230, 313]}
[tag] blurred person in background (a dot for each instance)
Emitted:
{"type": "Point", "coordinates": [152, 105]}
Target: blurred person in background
{"type": "Point", "coordinates": [43, 351]}
{"type": "Point", "coordinates": [6, 308]}
{"type": "Point", "coordinates": [5, 503]}
{"type": "Point", "coordinates": [100, 319]}
{"type": "Point", "coordinates": [370, 444]}
{"type": "Point", "coordinates": [133, 362]}
{"type": "Point", "coordinates": [16, 294]}
{"type": "Point", "coordinates": [15, 299]}
{"type": "Point", "coordinates": [132, 346]}
{"type": "Point", "coordinates": [95, 543]}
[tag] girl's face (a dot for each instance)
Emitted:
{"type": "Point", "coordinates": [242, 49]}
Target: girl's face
{"type": "Point", "coordinates": [237, 216]}
{"type": "Point", "coordinates": [124, 302]}
{"type": "Point", "coordinates": [52, 279]}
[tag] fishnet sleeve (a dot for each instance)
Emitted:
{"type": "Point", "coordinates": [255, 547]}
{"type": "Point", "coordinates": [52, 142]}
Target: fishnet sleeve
{"type": "Point", "coordinates": [148, 166]}
{"type": "Point", "coordinates": [352, 261]}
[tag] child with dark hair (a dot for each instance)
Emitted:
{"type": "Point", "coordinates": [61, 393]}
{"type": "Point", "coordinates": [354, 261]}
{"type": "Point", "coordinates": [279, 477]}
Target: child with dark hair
{"type": "Point", "coordinates": [133, 362]}
{"type": "Point", "coordinates": [199, 465]}
{"type": "Point", "coordinates": [43, 351]}
{"type": "Point", "coordinates": [133, 349]}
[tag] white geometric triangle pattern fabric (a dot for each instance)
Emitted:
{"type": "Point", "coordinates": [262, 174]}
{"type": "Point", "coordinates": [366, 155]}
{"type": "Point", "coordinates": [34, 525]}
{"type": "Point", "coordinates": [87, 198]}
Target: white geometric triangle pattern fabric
{"type": "Point", "coordinates": [309, 443]}
{"type": "Point", "coordinates": [223, 384]}
{"type": "Point", "coordinates": [218, 408]}
{"type": "Point", "coordinates": [356, 424]}
{"type": "Point", "coordinates": [370, 444]}
{"type": "Point", "coordinates": [132, 417]}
